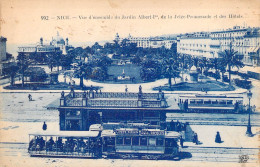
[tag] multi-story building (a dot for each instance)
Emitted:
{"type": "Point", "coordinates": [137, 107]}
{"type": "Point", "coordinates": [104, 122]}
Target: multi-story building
{"type": "Point", "coordinates": [148, 42]}
{"type": "Point", "coordinates": [6, 59]}
{"type": "Point", "coordinates": [245, 41]}
{"type": "Point", "coordinates": [57, 44]}
{"type": "Point", "coordinates": [198, 45]}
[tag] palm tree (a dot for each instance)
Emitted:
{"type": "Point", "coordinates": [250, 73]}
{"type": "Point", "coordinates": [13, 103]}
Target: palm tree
{"type": "Point", "coordinates": [171, 69]}
{"type": "Point", "coordinates": [23, 63]}
{"type": "Point", "coordinates": [231, 59]}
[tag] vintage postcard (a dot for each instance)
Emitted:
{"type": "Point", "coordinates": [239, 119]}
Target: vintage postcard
{"type": "Point", "coordinates": [129, 83]}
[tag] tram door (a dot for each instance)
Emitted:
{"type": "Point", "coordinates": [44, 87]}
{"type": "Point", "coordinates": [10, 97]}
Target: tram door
{"type": "Point", "coordinates": [170, 144]}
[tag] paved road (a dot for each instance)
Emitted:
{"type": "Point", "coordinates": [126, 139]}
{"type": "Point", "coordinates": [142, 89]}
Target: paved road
{"type": "Point", "coordinates": [222, 154]}
{"type": "Point", "coordinates": [215, 119]}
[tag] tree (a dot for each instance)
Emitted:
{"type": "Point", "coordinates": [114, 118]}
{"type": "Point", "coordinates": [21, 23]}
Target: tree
{"type": "Point", "coordinates": [202, 63]}
{"type": "Point", "coordinates": [11, 71]}
{"type": "Point", "coordinates": [231, 59]}
{"type": "Point", "coordinates": [171, 68]}
{"type": "Point", "coordinates": [53, 60]}
{"type": "Point", "coordinates": [79, 73]}
{"type": "Point", "coordinates": [23, 63]}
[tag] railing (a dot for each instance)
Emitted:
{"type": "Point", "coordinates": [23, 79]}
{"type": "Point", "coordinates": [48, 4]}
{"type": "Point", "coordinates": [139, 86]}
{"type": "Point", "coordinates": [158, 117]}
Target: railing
{"type": "Point", "coordinates": [128, 95]}
{"type": "Point", "coordinates": [151, 104]}
{"type": "Point", "coordinates": [112, 103]}
{"type": "Point", "coordinates": [77, 102]}
{"type": "Point", "coordinates": [73, 102]}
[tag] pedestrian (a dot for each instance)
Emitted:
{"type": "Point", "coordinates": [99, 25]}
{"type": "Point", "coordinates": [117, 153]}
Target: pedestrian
{"type": "Point", "coordinates": [44, 126]}
{"type": "Point", "coordinates": [196, 139]}
{"type": "Point", "coordinates": [193, 137]}
{"type": "Point", "coordinates": [181, 142]}
{"type": "Point", "coordinates": [30, 97]}
{"type": "Point", "coordinates": [126, 89]}
{"type": "Point", "coordinates": [218, 138]}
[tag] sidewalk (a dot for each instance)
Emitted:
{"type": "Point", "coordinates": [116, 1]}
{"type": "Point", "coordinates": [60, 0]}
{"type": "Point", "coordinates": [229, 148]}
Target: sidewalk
{"type": "Point", "coordinates": [232, 136]}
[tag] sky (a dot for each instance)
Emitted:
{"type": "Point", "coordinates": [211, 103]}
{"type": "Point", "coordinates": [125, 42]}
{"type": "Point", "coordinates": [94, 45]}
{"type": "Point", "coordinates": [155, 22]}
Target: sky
{"type": "Point", "coordinates": [23, 21]}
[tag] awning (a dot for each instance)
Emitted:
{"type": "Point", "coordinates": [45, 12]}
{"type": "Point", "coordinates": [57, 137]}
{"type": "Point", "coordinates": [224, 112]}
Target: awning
{"type": "Point", "coordinates": [67, 133]}
{"type": "Point", "coordinates": [171, 134]}
{"type": "Point", "coordinates": [253, 49]}
{"type": "Point", "coordinates": [108, 133]}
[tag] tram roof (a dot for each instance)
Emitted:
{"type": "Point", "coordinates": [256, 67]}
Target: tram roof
{"type": "Point", "coordinates": [67, 133]}
{"type": "Point", "coordinates": [168, 134]}
{"type": "Point", "coordinates": [172, 134]}
{"type": "Point", "coordinates": [212, 96]}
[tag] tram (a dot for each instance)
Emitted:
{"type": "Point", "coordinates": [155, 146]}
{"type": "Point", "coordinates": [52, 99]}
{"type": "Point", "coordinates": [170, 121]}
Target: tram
{"type": "Point", "coordinates": [125, 143]}
{"type": "Point", "coordinates": [131, 143]}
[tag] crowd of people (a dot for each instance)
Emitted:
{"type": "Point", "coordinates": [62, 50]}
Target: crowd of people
{"type": "Point", "coordinates": [177, 126]}
{"type": "Point", "coordinates": [67, 145]}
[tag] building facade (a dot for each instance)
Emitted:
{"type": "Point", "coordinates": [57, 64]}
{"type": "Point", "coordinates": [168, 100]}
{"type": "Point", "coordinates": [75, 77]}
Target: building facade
{"type": "Point", "coordinates": [79, 110]}
{"type": "Point", "coordinates": [57, 44]}
{"type": "Point", "coordinates": [245, 41]}
{"type": "Point", "coordinates": [6, 59]}
{"type": "Point", "coordinates": [197, 45]}
{"type": "Point", "coordinates": [147, 42]}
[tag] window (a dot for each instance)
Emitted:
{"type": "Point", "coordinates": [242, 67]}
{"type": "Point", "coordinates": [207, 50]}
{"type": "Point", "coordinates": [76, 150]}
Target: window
{"type": "Point", "coordinates": [229, 102]}
{"type": "Point", "coordinates": [119, 140]}
{"type": "Point", "coordinates": [143, 141]}
{"type": "Point", "coordinates": [135, 141]}
{"type": "Point", "coordinates": [152, 142]}
{"type": "Point", "coordinates": [127, 141]}
{"type": "Point", "coordinates": [159, 142]}
{"type": "Point", "coordinates": [73, 113]}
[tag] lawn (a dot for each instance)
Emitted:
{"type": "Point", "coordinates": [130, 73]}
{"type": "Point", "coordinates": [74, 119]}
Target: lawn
{"type": "Point", "coordinates": [199, 86]}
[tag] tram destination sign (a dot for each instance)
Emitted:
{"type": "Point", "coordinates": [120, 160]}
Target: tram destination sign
{"type": "Point", "coordinates": [139, 132]}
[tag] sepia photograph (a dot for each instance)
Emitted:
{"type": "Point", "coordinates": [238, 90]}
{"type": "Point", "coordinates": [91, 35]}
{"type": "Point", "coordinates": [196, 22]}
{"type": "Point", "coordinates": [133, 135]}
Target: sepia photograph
{"type": "Point", "coordinates": [115, 83]}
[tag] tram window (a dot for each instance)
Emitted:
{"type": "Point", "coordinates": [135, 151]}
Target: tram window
{"type": "Point", "coordinates": [135, 141]}
{"type": "Point", "coordinates": [199, 101]}
{"type": "Point", "coordinates": [127, 140]}
{"type": "Point", "coordinates": [73, 113]}
{"type": "Point", "coordinates": [143, 141]}
{"type": "Point", "coordinates": [229, 102]}
{"type": "Point", "coordinates": [119, 140]}
{"type": "Point", "coordinates": [151, 114]}
{"type": "Point", "coordinates": [159, 142]}
{"type": "Point", "coordinates": [152, 141]}
{"type": "Point", "coordinates": [222, 102]}
{"type": "Point", "coordinates": [192, 101]}
{"type": "Point", "coordinates": [215, 102]}
{"type": "Point", "coordinates": [207, 102]}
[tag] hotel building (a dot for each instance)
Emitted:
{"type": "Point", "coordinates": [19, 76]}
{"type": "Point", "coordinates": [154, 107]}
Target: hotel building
{"type": "Point", "coordinates": [207, 44]}
{"type": "Point", "coordinates": [148, 42]}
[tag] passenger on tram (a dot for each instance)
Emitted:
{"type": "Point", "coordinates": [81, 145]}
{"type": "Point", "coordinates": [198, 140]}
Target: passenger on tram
{"type": "Point", "coordinates": [50, 144]}
{"type": "Point", "coordinates": [32, 144]}
{"type": "Point", "coordinates": [42, 143]}
{"type": "Point", "coordinates": [59, 144]}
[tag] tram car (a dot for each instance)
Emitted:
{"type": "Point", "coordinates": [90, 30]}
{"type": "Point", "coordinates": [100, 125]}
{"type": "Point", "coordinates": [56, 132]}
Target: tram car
{"type": "Point", "coordinates": [133, 143]}
{"type": "Point", "coordinates": [125, 143]}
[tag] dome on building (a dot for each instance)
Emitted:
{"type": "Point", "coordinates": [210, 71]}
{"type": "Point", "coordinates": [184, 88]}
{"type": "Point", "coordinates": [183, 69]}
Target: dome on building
{"type": "Point", "coordinates": [193, 69]}
{"type": "Point", "coordinates": [58, 40]}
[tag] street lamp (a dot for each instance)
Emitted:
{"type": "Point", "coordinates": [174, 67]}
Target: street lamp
{"type": "Point", "coordinates": [248, 131]}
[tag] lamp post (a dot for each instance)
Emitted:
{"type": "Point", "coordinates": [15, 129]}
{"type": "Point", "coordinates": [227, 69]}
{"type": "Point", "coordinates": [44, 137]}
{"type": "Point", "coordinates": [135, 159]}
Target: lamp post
{"type": "Point", "coordinates": [248, 131]}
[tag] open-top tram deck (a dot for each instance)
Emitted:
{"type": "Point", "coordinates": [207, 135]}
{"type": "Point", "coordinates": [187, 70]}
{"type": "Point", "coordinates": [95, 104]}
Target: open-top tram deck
{"type": "Point", "coordinates": [65, 144]}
